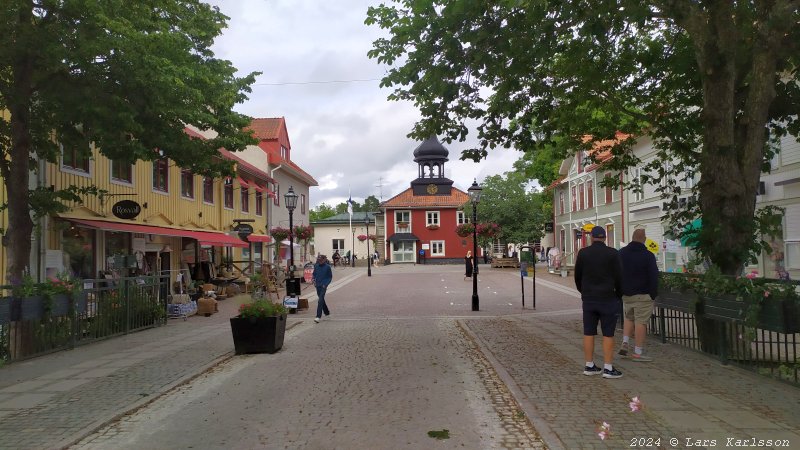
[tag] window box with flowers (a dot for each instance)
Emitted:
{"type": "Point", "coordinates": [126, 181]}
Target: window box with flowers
{"type": "Point", "coordinates": [402, 226]}
{"type": "Point", "coordinates": [259, 328]}
{"type": "Point", "coordinates": [432, 227]}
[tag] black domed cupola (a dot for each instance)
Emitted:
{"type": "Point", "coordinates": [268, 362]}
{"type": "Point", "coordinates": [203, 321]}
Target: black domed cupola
{"type": "Point", "coordinates": [431, 155]}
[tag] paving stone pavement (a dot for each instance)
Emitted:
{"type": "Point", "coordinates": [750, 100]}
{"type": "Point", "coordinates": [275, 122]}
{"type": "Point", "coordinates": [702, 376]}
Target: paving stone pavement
{"type": "Point", "coordinates": [401, 355]}
{"type": "Point", "coordinates": [384, 384]}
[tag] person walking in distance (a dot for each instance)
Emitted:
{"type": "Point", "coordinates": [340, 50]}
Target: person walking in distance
{"type": "Point", "coordinates": [598, 277]}
{"type": "Point", "coordinates": [321, 277]}
{"type": "Point", "coordinates": [639, 290]}
{"type": "Point", "coordinates": [468, 265]}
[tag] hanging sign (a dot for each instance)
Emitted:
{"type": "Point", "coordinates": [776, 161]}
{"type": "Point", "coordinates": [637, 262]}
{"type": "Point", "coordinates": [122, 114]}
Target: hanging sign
{"type": "Point", "coordinates": [126, 209]}
{"type": "Point", "coordinates": [588, 227]}
{"type": "Point", "coordinates": [243, 230]}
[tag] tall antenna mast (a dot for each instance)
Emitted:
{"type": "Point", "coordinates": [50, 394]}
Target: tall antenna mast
{"type": "Point", "coordinates": [380, 187]}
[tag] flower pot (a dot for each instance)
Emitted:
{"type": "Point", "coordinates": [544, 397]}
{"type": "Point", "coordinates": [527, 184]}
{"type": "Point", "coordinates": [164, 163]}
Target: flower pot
{"type": "Point", "coordinates": [5, 310]}
{"type": "Point", "coordinates": [258, 335]}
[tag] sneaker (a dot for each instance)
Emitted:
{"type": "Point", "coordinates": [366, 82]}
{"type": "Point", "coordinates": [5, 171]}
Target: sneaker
{"type": "Point", "coordinates": [640, 357]}
{"type": "Point", "coordinates": [613, 373]}
{"type": "Point", "coordinates": [623, 351]}
{"type": "Point", "coordinates": [594, 370]}
{"type": "Point", "coordinates": [316, 319]}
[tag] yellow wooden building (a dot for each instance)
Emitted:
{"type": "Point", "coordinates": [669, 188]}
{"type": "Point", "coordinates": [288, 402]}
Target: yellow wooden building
{"type": "Point", "coordinates": [152, 218]}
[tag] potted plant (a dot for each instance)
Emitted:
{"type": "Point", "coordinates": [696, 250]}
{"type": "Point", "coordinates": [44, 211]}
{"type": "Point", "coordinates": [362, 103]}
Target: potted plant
{"type": "Point", "coordinates": [59, 294]}
{"type": "Point", "coordinates": [259, 327]}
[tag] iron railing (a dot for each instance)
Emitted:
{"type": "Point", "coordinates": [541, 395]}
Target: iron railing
{"type": "Point", "coordinates": [102, 309]}
{"type": "Point", "coordinates": [767, 352]}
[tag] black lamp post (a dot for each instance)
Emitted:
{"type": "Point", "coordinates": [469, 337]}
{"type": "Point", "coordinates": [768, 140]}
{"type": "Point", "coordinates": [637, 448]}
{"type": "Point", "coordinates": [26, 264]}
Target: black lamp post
{"type": "Point", "coordinates": [475, 197]}
{"type": "Point", "coordinates": [369, 257]}
{"type": "Point", "coordinates": [291, 203]}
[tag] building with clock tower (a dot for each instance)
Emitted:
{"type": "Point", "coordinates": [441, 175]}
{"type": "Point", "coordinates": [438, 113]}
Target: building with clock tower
{"type": "Point", "coordinates": [424, 216]}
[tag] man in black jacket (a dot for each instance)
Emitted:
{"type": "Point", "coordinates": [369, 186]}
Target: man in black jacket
{"type": "Point", "coordinates": [598, 277]}
{"type": "Point", "coordinates": [639, 290]}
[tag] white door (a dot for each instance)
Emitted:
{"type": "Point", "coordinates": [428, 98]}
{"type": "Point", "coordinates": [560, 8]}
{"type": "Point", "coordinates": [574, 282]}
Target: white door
{"type": "Point", "coordinates": [403, 252]}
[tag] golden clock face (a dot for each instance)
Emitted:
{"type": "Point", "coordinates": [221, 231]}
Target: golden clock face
{"type": "Point", "coordinates": [432, 189]}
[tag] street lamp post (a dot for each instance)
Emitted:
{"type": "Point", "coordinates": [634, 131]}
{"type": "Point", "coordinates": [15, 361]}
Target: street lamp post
{"type": "Point", "coordinates": [291, 203]}
{"type": "Point", "coordinates": [369, 258]}
{"type": "Point", "coordinates": [475, 197]}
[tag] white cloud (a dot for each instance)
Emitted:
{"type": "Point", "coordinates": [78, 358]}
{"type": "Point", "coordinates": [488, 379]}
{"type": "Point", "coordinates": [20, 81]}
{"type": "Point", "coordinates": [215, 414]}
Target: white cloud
{"type": "Point", "coordinates": [348, 136]}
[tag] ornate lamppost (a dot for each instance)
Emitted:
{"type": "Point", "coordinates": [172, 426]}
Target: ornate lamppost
{"type": "Point", "coordinates": [291, 203]}
{"type": "Point", "coordinates": [369, 257]}
{"type": "Point", "coordinates": [475, 197]}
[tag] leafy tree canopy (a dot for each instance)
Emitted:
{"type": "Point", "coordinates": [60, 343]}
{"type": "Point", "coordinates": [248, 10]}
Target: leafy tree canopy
{"type": "Point", "coordinates": [710, 82]}
{"type": "Point", "coordinates": [323, 211]}
{"type": "Point", "coordinates": [506, 201]}
{"type": "Point", "coordinates": [126, 76]}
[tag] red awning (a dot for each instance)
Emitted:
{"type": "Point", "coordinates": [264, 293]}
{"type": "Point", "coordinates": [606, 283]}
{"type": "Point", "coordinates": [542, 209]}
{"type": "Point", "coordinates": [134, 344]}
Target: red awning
{"type": "Point", "coordinates": [259, 188]}
{"type": "Point", "coordinates": [243, 183]}
{"type": "Point", "coordinates": [209, 237]}
{"type": "Point", "coordinates": [259, 238]}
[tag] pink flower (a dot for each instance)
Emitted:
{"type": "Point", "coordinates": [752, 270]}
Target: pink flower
{"type": "Point", "coordinates": [635, 404]}
{"type": "Point", "coordinates": [752, 275]}
{"type": "Point", "coordinates": [604, 431]}
{"type": "Point", "coordinates": [766, 294]}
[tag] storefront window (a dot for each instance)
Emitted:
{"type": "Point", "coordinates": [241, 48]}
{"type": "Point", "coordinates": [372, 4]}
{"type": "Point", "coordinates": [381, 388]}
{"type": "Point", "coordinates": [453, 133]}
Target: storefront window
{"type": "Point", "coordinates": [117, 244]}
{"type": "Point", "coordinates": [78, 244]}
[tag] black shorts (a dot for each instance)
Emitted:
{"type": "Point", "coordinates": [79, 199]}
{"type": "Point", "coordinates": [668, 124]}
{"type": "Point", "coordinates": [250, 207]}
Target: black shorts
{"type": "Point", "coordinates": [605, 312]}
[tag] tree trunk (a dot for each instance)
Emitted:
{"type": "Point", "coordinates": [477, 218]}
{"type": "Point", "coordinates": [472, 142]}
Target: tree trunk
{"type": "Point", "coordinates": [735, 113]}
{"type": "Point", "coordinates": [17, 173]}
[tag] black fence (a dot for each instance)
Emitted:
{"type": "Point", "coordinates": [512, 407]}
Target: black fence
{"type": "Point", "coordinates": [103, 308]}
{"type": "Point", "coordinates": [767, 352]}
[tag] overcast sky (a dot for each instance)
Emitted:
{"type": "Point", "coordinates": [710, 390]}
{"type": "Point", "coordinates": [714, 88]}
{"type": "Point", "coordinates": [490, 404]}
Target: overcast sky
{"type": "Point", "coordinates": [348, 136]}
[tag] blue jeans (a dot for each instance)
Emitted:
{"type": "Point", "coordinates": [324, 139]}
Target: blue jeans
{"type": "Point", "coordinates": [321, 306]}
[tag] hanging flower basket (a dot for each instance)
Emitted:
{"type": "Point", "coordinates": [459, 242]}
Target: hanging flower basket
{"type": "Point", "coordinates": [362, 237]}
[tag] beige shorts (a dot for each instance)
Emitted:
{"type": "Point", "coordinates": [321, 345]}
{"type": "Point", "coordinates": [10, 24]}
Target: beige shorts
{"type": "Point", "coordinates": [638, 308]}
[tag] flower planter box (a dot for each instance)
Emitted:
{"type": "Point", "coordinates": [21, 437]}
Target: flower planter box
{"type": "Point", "coordinates": [678, 300]}
{"type": "Point", "coordinates": [780, 315]}
{"type": "Point", "coordinates": [59, 305]}
{"type": "Point", "coordinates": [30, 308]}
{"type": "Point", "coordinates": [5, 310]}
{"type": "Point", "coordinates": [258, 335]}
{"type": "Point", "coordinates": [724, 307]}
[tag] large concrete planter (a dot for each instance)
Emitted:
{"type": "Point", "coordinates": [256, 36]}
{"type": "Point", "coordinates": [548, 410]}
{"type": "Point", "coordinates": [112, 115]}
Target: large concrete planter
{"type": "Point", "coordinates": [258, 335]}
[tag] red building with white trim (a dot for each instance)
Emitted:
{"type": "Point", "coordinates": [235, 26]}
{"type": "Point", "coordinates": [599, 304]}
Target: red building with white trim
{"type": "Point", "coordinates": [425, 216]}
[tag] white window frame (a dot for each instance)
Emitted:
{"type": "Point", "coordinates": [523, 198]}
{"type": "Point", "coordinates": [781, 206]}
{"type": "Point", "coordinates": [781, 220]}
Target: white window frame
{"type": "Point", "coordinates": [434, 245]}
{"type": "Point", "coordinates": [75, 170]}
{"type": "Point", "coordinates": [120, 181]}
{"type": "Point", "coordinates": [335, 247]}
{"type": "Point", "coordinates": [461, 218]}
{"type": "Point", "coordinates": [637, 176]}
{"type": "Point", "coordinates": [404, 213]}
{"type": "Point", "coordinates": [432, 218]}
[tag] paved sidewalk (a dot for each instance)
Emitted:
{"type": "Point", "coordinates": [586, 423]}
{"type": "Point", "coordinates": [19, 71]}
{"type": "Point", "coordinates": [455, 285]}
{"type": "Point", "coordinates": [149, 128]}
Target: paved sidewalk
{"type": "Point", "coordinates": [54, 400]}
{"type": "Point", "coordinates": [689, 399]}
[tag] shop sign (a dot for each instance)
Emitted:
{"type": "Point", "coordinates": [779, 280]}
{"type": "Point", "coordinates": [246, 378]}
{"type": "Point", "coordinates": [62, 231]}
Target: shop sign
{"type": "Point", "coordinates": [126, 209]}
{"type": "Point", "coordinates": [244, 230]}
{"type": "Point", "coordinates": [549, 227]}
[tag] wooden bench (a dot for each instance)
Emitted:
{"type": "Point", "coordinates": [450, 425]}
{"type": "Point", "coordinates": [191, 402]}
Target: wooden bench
{"type": "Point", "coordinates": [505, 262]}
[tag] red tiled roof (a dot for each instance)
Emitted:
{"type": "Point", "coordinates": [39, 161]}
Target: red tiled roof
{"type": "Point", "coordinates": [266, 128]}
{"type": "Point", "coordinates": [601, 150]}
{"type": "Point", "coordinates": [275, 160]}
{"type": "Point", "coordinates": [407, 199]}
